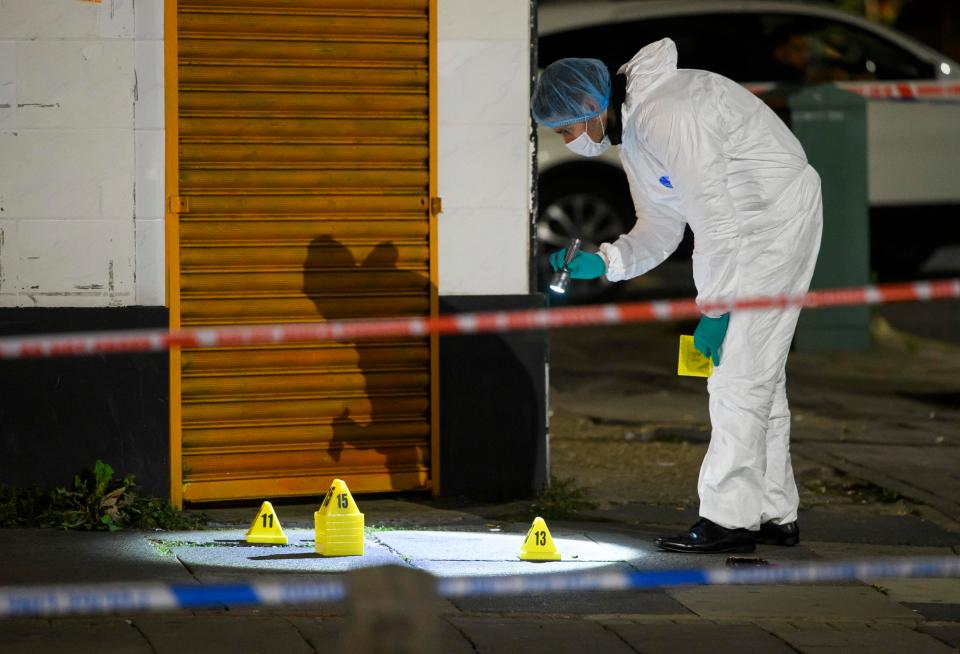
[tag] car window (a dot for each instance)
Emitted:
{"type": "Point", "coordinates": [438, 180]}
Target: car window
{"type": "Point", "coordinates": [748, 47]}
{"type": "Point", "coordinates": [720, 43]}
{"type": "Point", "coordinates": [812, 50]}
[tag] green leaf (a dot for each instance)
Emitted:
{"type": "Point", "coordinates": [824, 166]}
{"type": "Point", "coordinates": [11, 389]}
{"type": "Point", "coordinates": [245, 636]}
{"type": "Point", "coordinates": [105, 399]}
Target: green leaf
{"type": "Point", "coordinates": [102, 476]}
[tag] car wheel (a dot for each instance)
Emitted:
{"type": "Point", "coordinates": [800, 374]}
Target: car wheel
{"type": "Point", "coordinates": [595, 207]}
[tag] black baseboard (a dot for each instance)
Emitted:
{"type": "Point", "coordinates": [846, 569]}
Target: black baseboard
{"type": "Point", "coordinates": [493, 405]}
{"type": "Point", "coordinates": [59, 415]}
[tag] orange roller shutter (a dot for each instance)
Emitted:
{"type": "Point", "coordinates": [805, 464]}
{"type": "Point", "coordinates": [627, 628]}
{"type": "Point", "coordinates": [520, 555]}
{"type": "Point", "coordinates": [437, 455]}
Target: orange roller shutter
{"type": "Point", "coordinates": [302, 149]}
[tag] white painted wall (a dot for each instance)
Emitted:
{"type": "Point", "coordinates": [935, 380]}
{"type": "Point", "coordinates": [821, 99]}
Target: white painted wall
{"type": "Point", "coordinates": [484, 146]}
{"type": "Point", "coordinates": [81, 153]}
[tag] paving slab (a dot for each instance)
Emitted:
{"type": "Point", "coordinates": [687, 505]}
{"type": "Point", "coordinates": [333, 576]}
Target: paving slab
{"type": "Point", "coordinates": [902, 430]}
{"type": "Point", "coordinates": [849, 526]}
{"type": "Point", "coordinates": [442, 607]}
{"type": "Point", "coordinates": [526, 635]}
{"type": "Point", "coordinates": [402, 513]}
{"type": "Point", "coordinates": [637, 543]}
{"type": "Point", "coordinates": [495, 546]}
{"type": "Point", "coordinates": [377, 512]}
{"type": "Point", "coordinates": [936, 320]}
{"type": "Point", "coordinates": [699, 638]}
{"type": "Point", "coordinates": [517, 567]}
{"type": "Point", "coordinates": [286, 611]}
{"type": "Point", "coordinates": [853, 638]}
{"type": "Point", "coordinates": [840, 551]}
{"type": "Point", "coordinates": [603, 397]}
{"type": "Point", "coordinates": [657, 559]}
{"type": "Point", "coordinates": [258, 559]}
{"type": "Point", "coordinates": [324, 635]}
{"type": "Point", "coordinates": [652, 518]}
{"type": "Point", "coordinates": [858, 415]}
{"type": "Point", "coordinates": [77, 636]}
{"type": "Point", "coordinates": [945, 633]}
{"type": "Point", "coordinates": [45, 556]}
{"type": "Point", "coordinates": [925, 591]}
{"type": "Point", "coordinates": [219, 634]}
{"type": "Point", "coordinates": [227, 537]}
{"type": "Point", "coordinates": [791, 602]}
{"type": "Point", "coordinates": [647, 602]}
{"type": "Point", "coordinates": [929, 474]}
{"type": "Point", "coordinates": [936, 611]}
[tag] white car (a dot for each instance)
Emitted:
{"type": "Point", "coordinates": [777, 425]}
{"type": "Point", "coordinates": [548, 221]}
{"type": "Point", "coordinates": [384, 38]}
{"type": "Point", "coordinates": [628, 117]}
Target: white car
{"type": "Point", "coordinates": [747, 40]}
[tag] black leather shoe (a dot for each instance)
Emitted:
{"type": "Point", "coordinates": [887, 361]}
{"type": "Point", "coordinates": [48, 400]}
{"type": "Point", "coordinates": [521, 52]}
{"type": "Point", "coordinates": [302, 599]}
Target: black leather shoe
{"type": "Point", "coordinates": [708, 536]}
{"type": "Point", "coordinates": [772, 534]}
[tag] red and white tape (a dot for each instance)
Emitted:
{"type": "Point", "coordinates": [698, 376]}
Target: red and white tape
{"type": "Point", "coordinates": [928, 90]}
{"type": "Point", "coordinates": [14, 347]}
{"type": "Point", "coordinates": [904, 90]}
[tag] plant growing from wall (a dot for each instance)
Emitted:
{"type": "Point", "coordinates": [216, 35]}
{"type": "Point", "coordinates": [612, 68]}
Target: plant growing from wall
{"type": "Point", "coordinates": [98, 500]}
{"type": "Point", "coordinates": [562, 498]}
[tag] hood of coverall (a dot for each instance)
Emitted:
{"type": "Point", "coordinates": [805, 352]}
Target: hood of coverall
{"type": "Point", "coordinates": [648, 67]}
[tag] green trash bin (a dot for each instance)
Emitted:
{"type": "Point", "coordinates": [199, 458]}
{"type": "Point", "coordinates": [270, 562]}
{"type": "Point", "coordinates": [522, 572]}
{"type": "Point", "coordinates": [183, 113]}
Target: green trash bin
{"type": "Point", "coordinates": [831, 124]}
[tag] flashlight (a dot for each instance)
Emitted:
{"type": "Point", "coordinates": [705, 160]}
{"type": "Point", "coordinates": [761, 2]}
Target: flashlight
{"type": "Point", "coordinates": [562, 277]}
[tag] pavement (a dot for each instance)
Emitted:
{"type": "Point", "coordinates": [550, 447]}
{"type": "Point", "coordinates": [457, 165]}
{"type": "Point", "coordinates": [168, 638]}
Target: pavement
{"type": "Point", "coordinates": [917, 615]}
{"type": "Point", "coordinates": [887, 419]}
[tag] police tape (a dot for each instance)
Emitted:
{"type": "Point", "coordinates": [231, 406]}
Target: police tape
{"type": "Point", "coordinates": [22, 347]}
{"type": "Point", "coordinates": [91, 599]}
{"type": "Point", "coordinates": [906, 90]}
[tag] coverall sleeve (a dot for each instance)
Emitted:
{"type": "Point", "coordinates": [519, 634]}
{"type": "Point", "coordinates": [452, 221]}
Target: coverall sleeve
{"type": "Point", "coordinates": [687, 140]}
{"type": "Point", "coordinates": [652, 239]}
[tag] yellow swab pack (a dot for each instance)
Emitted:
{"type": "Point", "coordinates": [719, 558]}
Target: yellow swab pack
{"type": "Point", "coordinates": [691, 363]}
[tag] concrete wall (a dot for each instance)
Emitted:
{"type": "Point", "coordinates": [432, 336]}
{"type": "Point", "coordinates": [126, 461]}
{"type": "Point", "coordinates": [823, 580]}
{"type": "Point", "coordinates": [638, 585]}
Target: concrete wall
{"type": "Point", "coordinates": [81, 153]}
{"type": "Point", "coordinates": [484, 146]}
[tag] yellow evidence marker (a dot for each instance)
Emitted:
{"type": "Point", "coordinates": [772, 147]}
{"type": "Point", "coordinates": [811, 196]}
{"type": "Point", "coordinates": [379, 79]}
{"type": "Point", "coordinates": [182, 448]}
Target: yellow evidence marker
{"type": "Point", "coordinates": [338, 523]}
{"type": "Point", "coordinates": [538, 545]}
{"type": "Point", "coordinates": [266, 528]}
{"type": "Point", "coordinates": [691, 363]}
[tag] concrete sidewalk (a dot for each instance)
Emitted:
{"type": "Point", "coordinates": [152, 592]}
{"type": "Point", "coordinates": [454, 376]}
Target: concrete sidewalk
{"type": "Point", "coordinates": [894, 616]}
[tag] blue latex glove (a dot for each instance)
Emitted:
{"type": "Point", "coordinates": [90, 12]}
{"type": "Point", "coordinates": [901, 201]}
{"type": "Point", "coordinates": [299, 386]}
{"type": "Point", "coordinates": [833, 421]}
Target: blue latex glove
{"type": "Point", "coordinates": [709, 334]}
{"type": "Point", "coordinates": [585, 265]}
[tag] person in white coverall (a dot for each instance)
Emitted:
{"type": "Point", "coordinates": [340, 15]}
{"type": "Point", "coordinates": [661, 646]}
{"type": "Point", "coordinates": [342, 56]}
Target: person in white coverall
{"type": "Point", "coordinates": [700, 150]}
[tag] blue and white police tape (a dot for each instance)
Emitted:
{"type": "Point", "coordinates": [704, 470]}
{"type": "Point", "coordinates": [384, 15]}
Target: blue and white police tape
{"type": "Point", "coordinates": [89, 599]}
{"type": "Point", "coordinates": [92, 599]}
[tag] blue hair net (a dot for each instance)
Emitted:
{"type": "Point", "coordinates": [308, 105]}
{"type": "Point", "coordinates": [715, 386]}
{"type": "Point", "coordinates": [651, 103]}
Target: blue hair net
{"type": "Point", "coordinates": [560, 95]}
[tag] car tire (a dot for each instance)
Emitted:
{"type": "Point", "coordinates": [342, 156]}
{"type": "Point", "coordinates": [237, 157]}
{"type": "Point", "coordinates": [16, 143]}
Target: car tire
{"type": "Point", "coordinates": [591, 203]}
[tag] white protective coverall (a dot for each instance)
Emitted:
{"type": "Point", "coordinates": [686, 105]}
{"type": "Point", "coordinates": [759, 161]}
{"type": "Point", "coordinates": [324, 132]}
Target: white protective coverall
{"type": "Point", "coordinates": [700, 149]}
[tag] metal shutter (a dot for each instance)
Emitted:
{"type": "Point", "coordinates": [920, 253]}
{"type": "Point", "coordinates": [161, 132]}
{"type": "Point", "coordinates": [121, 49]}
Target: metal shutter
{"type": "Point", "coordinates": [301, 194]}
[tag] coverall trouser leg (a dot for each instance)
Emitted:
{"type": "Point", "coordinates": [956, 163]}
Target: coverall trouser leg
{"type": "Point", "coordinates": [746, 477]}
